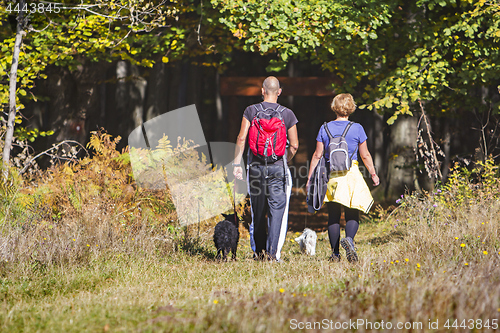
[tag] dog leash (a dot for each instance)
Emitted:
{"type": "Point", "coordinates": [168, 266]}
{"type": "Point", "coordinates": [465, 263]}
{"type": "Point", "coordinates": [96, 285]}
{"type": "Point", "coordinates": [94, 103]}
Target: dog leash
{"type": "Point", "coordinates": [234, 203]}
{"type": "Point", "coordinates": [305, 222]}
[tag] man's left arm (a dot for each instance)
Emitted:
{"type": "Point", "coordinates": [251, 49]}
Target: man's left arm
{"type": "Point", "coordinates": [293, 138]}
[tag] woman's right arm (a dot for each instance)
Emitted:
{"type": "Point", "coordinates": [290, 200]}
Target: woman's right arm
{"type": "Point", "coordinates": [368, 161]}
{"type": "Point", "coordinates": [315, 159]}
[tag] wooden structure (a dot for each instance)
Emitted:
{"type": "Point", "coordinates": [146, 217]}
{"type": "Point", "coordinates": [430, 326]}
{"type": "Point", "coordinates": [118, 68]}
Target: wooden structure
{"type": "Point", "coordinates": [291, 86]}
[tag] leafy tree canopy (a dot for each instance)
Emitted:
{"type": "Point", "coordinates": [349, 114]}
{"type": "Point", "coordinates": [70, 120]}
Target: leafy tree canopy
{"type": "Point", "coordinates": [390, 53]}
{"type": "Point", "coordinates": [68, 33]}
{"type": "Point", "coordinates": [395, 52]}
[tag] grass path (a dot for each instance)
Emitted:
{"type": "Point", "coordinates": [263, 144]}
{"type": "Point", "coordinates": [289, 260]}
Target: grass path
{"type": "Point", "coordinates": [393, 282]}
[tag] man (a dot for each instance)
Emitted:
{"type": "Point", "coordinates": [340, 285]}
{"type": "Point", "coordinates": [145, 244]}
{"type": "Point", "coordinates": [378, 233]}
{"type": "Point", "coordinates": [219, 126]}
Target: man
{"type": "Point", "coordinates": [269, 184]}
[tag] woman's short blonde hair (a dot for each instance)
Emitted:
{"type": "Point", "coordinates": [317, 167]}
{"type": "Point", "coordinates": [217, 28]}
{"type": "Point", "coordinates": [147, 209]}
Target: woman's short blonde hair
{"type": "Point", "coordinates": [343, 105]}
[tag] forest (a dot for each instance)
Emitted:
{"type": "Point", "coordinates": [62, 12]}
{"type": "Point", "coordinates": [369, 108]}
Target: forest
{"type": "Point", "coordinates": [424, 73]}
{"type": "Point", "coordinates": [88, 245]}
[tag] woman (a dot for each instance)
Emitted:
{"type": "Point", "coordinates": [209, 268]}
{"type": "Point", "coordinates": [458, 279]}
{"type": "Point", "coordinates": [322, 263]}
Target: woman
{"type": "Point", "coordinates": [347, 189]}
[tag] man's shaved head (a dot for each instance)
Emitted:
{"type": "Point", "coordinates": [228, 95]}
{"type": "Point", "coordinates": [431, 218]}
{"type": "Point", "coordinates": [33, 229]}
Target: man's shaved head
{"type": "Point", "coordinates": [271, 85]}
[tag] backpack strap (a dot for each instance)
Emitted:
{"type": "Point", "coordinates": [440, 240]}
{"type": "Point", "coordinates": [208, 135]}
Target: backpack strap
{"type": "Point", "coordinates": [258, 111]}
{"type": "Point", "coordinates": [330, 136]}
{"type": "Point", "coordinates": [347, 128]}
{"type": "Point", "coordinates": [345, 133]}
{"type": "Point", "coordinates": [262, 109]}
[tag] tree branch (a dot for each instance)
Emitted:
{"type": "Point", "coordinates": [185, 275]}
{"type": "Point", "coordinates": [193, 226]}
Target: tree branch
{"type": "Point", "coordinates": [431, 140]}
{"type": "Point", "coordinates": [47, 152]}
{"type": "Point", "coordinates": [9, 135]}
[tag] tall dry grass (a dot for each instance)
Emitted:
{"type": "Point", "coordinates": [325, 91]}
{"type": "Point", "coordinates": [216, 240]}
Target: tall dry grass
{"type": "Point", "coordinates": [81, 257]}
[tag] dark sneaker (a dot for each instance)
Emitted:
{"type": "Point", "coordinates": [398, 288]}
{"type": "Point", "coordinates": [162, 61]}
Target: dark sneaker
{"type": "Point", "coordinates": [334, 257]}
{"type": "Point", "coordinates": [348, 245]}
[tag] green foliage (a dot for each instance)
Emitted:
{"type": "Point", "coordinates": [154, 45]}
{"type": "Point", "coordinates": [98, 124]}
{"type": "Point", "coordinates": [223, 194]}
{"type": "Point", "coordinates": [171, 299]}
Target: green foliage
{"type": "Point", "coordinates": [100, 32]}
{"type": "Point", "coordinates": [141, 32]}
{"type": "Point", "coordinates": [391, 53]}
{"type": "Point", "coordinates": [463, 191]}
{"type": "Point", "coordinates": [466, 186]}
{"type": "Point", "coordinates": [22, 133]}
{"type": "Point", "coordinates": [455, 50]}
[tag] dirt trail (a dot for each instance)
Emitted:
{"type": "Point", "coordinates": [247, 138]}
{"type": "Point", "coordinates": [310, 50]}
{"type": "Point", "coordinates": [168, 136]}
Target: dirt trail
{"type": "Point", "coordinates": [299, 217]}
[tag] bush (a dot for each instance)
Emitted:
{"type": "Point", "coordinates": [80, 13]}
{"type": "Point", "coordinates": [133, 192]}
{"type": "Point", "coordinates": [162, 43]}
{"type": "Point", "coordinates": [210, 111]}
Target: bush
{"type": "Point", "coordinates": [459, 220]}
{"type": "Point", "coordinates": [77, 210]}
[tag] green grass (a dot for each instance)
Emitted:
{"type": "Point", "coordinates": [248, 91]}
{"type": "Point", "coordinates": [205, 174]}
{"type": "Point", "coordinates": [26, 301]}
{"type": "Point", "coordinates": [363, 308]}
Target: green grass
{"type": "Point", "coordinates": [409, 273]}
{"type": "Point", "coordinates": [119, 264]}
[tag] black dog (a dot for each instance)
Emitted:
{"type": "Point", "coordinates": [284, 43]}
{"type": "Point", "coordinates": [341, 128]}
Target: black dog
{"type": "Point", "coordinates": [226, 236]}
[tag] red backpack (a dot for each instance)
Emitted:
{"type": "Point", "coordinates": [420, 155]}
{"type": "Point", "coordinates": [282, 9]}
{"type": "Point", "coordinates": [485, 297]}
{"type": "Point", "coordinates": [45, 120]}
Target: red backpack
{"type": "Point", "coordinates": [267, 134]}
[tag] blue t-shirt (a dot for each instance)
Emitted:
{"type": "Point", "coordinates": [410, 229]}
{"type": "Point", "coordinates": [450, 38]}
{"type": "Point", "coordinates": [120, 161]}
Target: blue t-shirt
{"type": "Point", "coordinates": [354, 136]}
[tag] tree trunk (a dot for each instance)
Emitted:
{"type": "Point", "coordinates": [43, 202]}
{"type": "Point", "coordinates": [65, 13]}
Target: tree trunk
{"type": "Point", "coordinates": [9, 135]}
{"type": "Point", "coordinates": [378, 148]}
{"type": "Point", "coordinates": [137, 93]}
{"type": "Point", "coordinates": [445, 168]}
{"type": "Point", "coordinates": [400, 176]}
{"type": "Point", "coordinates": [157, 91]}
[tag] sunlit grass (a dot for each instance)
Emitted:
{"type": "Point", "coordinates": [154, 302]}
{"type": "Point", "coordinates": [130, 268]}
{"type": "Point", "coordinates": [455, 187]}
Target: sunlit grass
{"type": "Point", "coordinates": [107, 268]}
{"type": "Point", "coordinates": [419, 273]}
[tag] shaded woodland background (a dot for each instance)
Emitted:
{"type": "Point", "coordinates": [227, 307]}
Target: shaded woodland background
{"type": "Point", "coordinates": [119, 97]}
{"type": "Point", "coordinates": [116, 64]}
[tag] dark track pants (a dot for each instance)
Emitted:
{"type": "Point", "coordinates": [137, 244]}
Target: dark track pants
{"type": "Point", "coordinates": [269, 194]}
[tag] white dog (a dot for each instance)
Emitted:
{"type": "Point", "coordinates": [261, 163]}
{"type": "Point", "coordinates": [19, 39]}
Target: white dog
{"type": "Point", "coordinates": [307, 241]}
